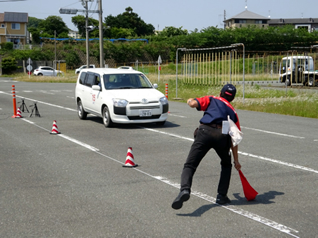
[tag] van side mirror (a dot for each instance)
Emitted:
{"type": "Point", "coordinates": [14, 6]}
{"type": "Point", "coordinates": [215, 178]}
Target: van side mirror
{"type": "Point", "coordinates": [155, 85]}
{"type": "Point", "coordinates": [96, 87]}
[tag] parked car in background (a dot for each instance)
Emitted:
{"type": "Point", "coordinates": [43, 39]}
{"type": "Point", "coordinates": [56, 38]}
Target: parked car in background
{"type": "Point", "coordinates": [77, 71]}
{"type": "Point", "coordinates": [119, 96]}
{"type": "Point", "coordinates": [47, 71]}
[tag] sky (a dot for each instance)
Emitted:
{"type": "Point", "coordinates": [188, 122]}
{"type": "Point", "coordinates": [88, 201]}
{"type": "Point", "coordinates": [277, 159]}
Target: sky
{"type": "Point", "coordinates": [188, 14]}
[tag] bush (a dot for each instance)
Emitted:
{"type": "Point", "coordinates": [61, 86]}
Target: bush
{"type": "Point", "coordinates": [8, 65]}
{"type": "Point", "coordinates": [72, 59]}
{"type": "Point", "coordinates": [6, 46]}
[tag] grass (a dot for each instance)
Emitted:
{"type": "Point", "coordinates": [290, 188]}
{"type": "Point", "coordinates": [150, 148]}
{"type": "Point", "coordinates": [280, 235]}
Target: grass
{"type": "Point", "coordinates": [301, 103]}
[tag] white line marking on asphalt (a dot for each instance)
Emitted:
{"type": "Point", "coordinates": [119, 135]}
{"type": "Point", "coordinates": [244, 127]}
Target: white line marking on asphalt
{"type": "Point", "coordinates": [45, 103]}
{"type": "Point", "coordinates": [234, 209]}
{"type": "Point", "coordinates": [280, 162]}
{"type": "Point", "coordinates": [46, 92]}
{"type": "Point", "coordinates": [174, 115]}
{"type": "Point", "coordinates": [65, 137]}
{"type": "Point", "coordinates": [252, 216]}
{"type": "Point", "coordinates": [274, 133]}
{"type": "Point", "coordinates": [27, 91]}
{"type": "Point", "coordinates": [79, 142]}
{"type": "Point", "coordinates": [243, 153]}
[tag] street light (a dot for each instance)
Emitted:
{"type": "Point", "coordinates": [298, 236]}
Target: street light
{"type": "Point", "coordinates": [182, 49]}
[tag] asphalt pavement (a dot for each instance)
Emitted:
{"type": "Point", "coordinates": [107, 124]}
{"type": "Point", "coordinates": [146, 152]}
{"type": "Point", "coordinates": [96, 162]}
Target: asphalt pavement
{"type": "Point", "coordinates": [74, 184]}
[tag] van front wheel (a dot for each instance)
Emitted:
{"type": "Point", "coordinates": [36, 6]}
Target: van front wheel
{"type": "Point", "coordinates": [106, 117]}
{"type": "Point", "coordinates": [80, 110]}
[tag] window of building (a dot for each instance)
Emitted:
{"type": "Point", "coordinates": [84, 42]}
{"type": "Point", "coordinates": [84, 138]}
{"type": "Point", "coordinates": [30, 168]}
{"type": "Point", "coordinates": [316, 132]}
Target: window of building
{"type": "Point", "coordinates": [258, 21]}
{"type": "Point", "coordinates": [15, 26]}
{"type": "Point", "coordinates": [2, 25]}
{"type": "Point", "coordinates": [240, 21]}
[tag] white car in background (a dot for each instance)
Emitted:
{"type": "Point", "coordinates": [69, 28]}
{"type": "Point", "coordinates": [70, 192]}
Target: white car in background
{"type": "Point", "coordinates": [77, 71]}
{"type": "Point", "coordinates": [47, 71]}
{"type": "Point", "coordinates": [119, 96]}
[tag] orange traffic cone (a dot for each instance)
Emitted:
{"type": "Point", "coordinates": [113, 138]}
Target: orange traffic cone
{"type": "Point", "coordinates": [130, 163]}
{"type": "Point", "coordinates": [18, 113]}
{"type": "Point", "coordinates": [249, 192]}
{"type": "Point", "coordinates": [55, 130]}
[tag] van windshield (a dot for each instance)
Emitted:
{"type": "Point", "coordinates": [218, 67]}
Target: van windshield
{"type": "Point", "coordinates": [126, 81]}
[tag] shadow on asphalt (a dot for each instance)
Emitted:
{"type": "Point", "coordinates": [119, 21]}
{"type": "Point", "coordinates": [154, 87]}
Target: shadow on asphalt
{"type": "Point", "coordinates": [266, 198]}
{"type": "Point", "coordinates": [99, 120]}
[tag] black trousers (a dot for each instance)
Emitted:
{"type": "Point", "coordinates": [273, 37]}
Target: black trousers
{"type": "Point", "coordinates": [206, 138]}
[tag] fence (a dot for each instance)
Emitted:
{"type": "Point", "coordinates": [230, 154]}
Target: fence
{"type": "Point", "coordinates": [211, 66]}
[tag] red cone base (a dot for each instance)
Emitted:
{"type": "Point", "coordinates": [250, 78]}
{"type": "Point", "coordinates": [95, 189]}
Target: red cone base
{"type": "Point", "coordinates": [130, 163]}
{"type": "Point", "coordinates": [249, 192]}
{"type": "Point", "coordinates": [55, 130]}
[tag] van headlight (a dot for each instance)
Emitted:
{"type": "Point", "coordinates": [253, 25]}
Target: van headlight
{"type": "Point", "coordinates": [120, 102]}
{"type": "Point", "coordinates": [163, 100]}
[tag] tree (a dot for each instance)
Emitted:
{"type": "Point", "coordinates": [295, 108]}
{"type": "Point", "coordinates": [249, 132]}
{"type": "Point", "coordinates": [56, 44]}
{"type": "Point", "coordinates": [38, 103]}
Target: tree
{"type": "Point", "coordinates": [130, 20]}
{"type": "Point", "coordinates": [122, 32]}
{"type": "Point", "coordinates": [170, 31]}
{"type": "Point", "coordinates": [52, 24]}
{"type": "Point", "coordinates": [9, 64]}
{"type": "Point", "coordinates": [34, 22]}
{"type": "Point", "coordinates": [72, 59]}
{"type": "Point", "coordinates": [80, 22]}
{"type": "Point", "coordinates": [35, 33]}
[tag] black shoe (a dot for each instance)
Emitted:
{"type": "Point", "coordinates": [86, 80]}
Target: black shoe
{"type": "Point", "coordinates": [183, 196]}
{"type": "Point", "coordinates": [221, 199]}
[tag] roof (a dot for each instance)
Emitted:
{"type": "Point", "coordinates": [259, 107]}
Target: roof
{"type": "Point", "coordinates": [293, 21]}
{"type": "Point", "coordinates": [248, 15]}
{"type": "Point", "coordinates": [20, 17]}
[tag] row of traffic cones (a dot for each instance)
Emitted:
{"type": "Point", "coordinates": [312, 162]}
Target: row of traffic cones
{"type": "Point", "coordinates": [55, 129]}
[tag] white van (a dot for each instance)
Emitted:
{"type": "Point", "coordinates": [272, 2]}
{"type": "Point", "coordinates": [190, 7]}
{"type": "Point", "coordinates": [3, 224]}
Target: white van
{"type": "Point", "coordinates": [298, 70]}
{"type": "Point", "coordinates": [119, 96]}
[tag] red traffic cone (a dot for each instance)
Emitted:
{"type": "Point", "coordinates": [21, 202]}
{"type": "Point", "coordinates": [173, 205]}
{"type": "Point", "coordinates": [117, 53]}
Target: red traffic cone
{"type": "Point", "coordinates": [55, 130]}
{"type": "Point", "coordinates": [249, 192]}
{"type": "Point", "coordinates": [18, 113]}
{"type": "Point", "coordinates": [130, 163]}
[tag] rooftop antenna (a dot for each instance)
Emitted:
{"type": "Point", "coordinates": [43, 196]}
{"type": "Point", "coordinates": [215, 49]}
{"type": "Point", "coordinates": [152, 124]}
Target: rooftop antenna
{"type": "Point", "coordinates": [269, 13]}
{"type": "Point", "coordinates": [245, 4]}
{"type": "Point", "coordinates": [302, 15]}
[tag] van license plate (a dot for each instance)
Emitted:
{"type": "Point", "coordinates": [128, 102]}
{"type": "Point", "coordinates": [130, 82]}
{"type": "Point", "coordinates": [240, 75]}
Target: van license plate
{"type": "Point", "coordinates": [145, 113]}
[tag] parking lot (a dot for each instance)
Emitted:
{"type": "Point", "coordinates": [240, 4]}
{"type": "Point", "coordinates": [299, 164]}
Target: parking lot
{"type": "Point", "coordinates": [73, 184]}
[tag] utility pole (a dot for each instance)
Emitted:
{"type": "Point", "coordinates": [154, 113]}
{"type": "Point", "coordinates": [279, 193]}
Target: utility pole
{"type": "Point", "coordinates": [55, 64]}
{"type": "Point", "coordinates": [87, 28]}
{"type": "Point", "coordinates": [101, 40]}
{"type": "Point", "coordinates": [87, 34]}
